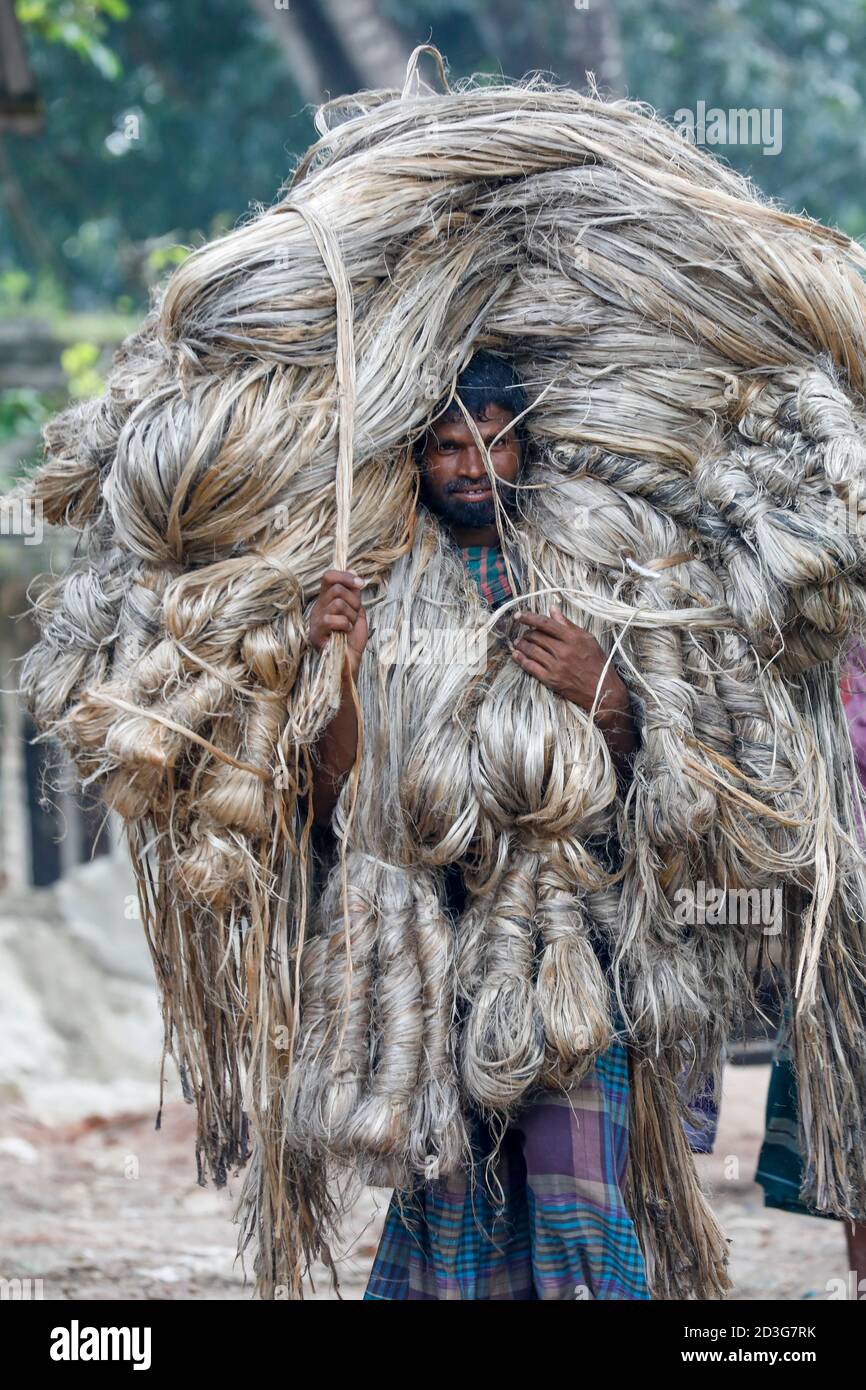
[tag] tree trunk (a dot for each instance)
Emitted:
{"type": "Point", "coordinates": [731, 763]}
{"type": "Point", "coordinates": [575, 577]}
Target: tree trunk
{"type": "Point", "coordinates": [378, 52]}
{"type": "Point", "coordinates": [20, 109]}
{"type": "Point", "coordinates": [335, 47]}
{"type": "Point", "coordinates": [593, 44]}
{"type": "Point", "coordinates": [565, 40]}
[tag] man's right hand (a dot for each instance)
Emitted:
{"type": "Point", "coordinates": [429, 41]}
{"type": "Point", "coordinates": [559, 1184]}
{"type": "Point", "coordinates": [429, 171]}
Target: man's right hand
{"type": "Point", "coordinates": [339, 609]}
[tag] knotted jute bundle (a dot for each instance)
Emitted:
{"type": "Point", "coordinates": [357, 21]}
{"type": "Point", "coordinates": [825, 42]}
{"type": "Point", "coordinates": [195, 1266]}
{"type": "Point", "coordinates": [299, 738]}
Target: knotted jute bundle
{"type": "Point", "coordinates": [694, 358]}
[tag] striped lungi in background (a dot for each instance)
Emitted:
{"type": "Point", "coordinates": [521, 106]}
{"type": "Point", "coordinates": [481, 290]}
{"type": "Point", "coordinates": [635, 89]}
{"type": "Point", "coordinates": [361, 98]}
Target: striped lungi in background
{"type": "Point", "coordinates": [781, 1167]}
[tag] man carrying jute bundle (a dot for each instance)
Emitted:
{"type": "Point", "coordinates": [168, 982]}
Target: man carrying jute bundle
{"type": "Point", "coordinates": [694, 451]}
{"type": "Point", "coordinates": [547, 1220]}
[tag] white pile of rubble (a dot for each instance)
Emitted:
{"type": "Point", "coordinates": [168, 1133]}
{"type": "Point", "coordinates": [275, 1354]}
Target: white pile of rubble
{"type": "Point", "coordinates": [80, 1028]}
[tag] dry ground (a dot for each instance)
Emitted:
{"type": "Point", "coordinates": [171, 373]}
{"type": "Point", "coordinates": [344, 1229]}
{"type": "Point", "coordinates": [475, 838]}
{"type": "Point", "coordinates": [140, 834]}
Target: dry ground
{"type": "Point", "coordinates": [108, 1208]}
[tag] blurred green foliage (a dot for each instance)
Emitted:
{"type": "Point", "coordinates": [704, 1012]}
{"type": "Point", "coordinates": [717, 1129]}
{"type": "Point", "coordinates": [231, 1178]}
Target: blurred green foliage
{"type": "Point", "coordinates": [22, 411]}
{"type": "Point", "coordinates": [79, 366]}
{"type": "Point", "coordinates": [165, 124]}
{"type": "Point", "coordinates": [192, 124]}
{"type": "Point", "coordinates": [80, 25]}
{"type": "Point", "coordinates": [808, 59]}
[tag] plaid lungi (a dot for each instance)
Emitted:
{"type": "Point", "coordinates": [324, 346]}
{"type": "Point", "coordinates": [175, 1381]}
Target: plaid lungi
{"type": "Point", "coordinates": [545, 1219]}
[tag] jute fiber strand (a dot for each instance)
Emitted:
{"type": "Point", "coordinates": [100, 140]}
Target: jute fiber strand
{"type": "Point", "coordinates": [694, 357]}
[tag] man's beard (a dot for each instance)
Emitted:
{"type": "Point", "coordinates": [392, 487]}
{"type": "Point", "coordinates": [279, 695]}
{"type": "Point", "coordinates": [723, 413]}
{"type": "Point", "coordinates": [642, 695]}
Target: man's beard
{"type": "Point", "coordinates": [454, 511]}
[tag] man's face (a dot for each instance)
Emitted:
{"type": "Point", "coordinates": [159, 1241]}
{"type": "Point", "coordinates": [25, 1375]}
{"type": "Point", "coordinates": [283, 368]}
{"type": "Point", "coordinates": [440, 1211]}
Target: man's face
{"type": "Point", "coordinates": [455, 483]}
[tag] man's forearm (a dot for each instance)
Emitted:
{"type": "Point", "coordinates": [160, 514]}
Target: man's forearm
{"type": "Point", "coordinates": [618, 728]}
{"type": "Point", "coordinates": [333, 755]}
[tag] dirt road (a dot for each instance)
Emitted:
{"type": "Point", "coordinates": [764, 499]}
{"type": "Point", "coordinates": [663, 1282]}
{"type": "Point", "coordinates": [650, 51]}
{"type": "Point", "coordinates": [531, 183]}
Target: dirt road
{"type": "Point", "coordinates": [109, 1208]}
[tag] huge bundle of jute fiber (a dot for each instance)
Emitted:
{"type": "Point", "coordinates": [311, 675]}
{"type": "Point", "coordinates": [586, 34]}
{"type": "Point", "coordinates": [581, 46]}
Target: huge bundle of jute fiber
{"type": "Point", "coordinates": [694, 358]}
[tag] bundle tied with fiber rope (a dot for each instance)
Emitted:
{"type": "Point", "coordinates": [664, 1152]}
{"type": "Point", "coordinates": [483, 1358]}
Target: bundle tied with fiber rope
{"type": "Point", "coordinates": [694, 360]}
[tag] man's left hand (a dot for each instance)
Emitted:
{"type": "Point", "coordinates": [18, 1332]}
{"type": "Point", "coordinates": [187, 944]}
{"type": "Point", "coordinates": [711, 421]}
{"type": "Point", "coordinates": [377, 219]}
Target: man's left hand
{"type": "Point", "coordinates": [568, 660]}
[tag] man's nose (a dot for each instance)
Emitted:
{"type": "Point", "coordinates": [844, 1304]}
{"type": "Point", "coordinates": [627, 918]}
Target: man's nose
{"type": "Point", "coordinates": [473, 463]}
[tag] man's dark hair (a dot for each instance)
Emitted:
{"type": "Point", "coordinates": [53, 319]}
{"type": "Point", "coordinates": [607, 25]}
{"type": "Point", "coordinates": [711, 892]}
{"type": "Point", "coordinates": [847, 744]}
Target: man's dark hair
{"type": "Point", "coordinates": [487, 379]}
